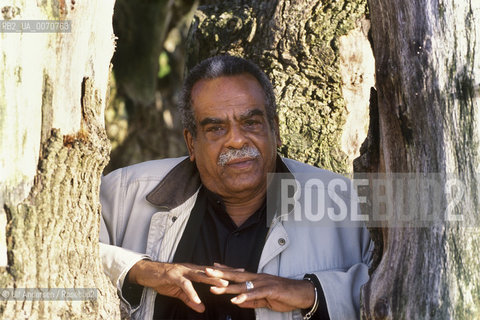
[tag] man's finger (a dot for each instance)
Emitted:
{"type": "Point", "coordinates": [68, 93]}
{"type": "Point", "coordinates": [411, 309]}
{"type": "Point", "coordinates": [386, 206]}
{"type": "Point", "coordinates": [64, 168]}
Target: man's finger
{"type": "Point", "coordinates": [187, 287]}
{"type": "Point", "coordinates": [231, 275]}
{"type": "Point", "coordinates": [224, 267]}
{"type": "Point", "coordinates": [202, 277]}
{"type": "Point", "coordinates": [254, 294]}
{"type": "Point", "coordinates": [257, 298]}
{"type": "Point", "coordinates": [198, 307]}
{"type": "Point", "coordinates": [239, 299]}
{"type": "Point", "coordinates": [232, 289]}
{"type": "Point", "coordinates": [254, 304]}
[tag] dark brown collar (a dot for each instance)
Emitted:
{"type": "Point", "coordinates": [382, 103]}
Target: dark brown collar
{"type": "Point", "coordinates": [178, 185]}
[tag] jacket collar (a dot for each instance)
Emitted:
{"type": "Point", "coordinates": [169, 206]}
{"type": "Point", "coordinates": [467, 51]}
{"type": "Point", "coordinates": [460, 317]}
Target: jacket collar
{"type": "Point", "coordinates": [178, 185]}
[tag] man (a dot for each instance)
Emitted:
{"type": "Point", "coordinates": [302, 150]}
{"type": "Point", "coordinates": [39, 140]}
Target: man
{"type": "Point", "coordinates": [192, 238]}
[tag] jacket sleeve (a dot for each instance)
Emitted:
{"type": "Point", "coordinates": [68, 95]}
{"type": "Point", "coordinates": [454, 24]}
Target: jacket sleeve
{"type": "Point", "coordinates": [116, 260]}
{"type": "Point", "coordinates": [342, 287]}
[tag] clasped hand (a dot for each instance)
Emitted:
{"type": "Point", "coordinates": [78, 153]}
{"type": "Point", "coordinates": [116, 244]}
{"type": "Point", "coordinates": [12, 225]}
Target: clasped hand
{"type": "Point", "coordinates": [175, 280]}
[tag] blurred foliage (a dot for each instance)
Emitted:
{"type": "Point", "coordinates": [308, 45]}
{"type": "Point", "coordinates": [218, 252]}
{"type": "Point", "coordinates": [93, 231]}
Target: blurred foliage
{"type": "Point", "coordinates": [141, 119]}
{"type": "Point", "coordinates": [164, 67]}
{"type": "Point", "coordinates": [116, 117]}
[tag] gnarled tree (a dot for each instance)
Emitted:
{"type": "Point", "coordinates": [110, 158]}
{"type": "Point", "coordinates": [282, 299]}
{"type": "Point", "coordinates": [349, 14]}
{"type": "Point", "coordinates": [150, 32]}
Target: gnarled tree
{"type": "Point", "coordinates": [428, 74]}
{"type": "Point", "coordinates": [53, 148]}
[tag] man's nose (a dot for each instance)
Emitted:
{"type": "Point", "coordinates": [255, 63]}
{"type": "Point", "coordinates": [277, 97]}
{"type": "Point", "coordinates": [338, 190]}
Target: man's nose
{"type": "Point", "coordinates": [236, 138]}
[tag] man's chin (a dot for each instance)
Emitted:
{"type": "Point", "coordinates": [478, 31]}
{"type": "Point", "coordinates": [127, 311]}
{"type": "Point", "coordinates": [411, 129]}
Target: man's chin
{"type": "Point", "coordinates": [239, 185]}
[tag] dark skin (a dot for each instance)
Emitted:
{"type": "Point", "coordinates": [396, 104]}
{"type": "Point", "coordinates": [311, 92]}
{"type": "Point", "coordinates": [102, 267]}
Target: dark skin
{"type": "Point", "coordinates": [230, 114]}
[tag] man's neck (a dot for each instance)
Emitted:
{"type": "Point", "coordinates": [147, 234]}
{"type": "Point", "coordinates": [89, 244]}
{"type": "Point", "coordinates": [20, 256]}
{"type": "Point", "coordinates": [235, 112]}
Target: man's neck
{"type": "Point", "coordinates": [239, 212]}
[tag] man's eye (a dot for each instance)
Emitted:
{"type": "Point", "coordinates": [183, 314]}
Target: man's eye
{"type": "Point", "coordinates": [214, 128]}
{"type": "Point", "coordinates": [251, 123]}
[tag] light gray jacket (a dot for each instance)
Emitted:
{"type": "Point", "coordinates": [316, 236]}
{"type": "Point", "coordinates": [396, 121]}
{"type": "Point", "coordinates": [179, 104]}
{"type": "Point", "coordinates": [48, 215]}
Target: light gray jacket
{"type": "Point", "coordinates": [145, 208]}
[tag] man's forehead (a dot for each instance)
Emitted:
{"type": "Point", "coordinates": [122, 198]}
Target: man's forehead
{"type": "Point", "coordinates": [238, 95]}
{"type": "Point", "coordinates": [243, 79]}
{"type": "Point", "coordinates": [205, 118]}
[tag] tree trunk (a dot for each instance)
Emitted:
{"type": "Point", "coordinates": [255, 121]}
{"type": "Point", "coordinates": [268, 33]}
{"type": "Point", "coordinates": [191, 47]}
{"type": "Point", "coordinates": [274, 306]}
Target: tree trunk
{"type": "Point", "coordinates": [53, 148]}
{"type": "Point", "coordinates": [142, 121]}
{"type": "Point", "coordinates": [428, 75]}
{"type": "Point", "coordinates": [319, 60]}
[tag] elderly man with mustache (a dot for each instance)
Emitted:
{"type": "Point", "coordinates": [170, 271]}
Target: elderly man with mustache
{"type": "Point", "coordinates": [196, 238]}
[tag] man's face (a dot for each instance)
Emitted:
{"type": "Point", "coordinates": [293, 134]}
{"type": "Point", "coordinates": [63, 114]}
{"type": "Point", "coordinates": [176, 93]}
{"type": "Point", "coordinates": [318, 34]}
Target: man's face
{"type": "Point", "coordinates": [230, 117]}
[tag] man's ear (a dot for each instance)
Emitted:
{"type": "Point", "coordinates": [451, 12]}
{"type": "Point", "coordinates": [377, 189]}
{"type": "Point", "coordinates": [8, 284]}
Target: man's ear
{"type": "Point", "coordinates": [189, 142]}
{"type": "Point", "coordinates": [277, 132]}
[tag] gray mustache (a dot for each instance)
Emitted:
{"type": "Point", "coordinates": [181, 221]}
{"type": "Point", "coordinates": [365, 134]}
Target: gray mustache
{"type": "Point", "coordinates": [233, 154]}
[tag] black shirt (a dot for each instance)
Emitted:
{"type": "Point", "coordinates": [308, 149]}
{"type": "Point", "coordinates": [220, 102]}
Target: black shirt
{"type": "Point", "coordinates": [214, 237]}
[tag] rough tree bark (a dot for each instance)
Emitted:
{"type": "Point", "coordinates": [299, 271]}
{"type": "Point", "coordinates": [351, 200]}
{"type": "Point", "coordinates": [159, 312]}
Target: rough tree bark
{"type": "Point", "coordinates": [428, 74]}
{"type": "Point", "coordinates": [53, 148]}
{"type": "Point", "coordinates": [318, 58]}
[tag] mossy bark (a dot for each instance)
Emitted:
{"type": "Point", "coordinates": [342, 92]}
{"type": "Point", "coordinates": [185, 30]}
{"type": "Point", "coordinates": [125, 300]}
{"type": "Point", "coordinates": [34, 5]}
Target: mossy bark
{"type": "Point", "coordinates": [53, 150]}
{"type": "Point", "coordinates": [297, 44]}
{"type": "Point", "coordinates": [428, 75]}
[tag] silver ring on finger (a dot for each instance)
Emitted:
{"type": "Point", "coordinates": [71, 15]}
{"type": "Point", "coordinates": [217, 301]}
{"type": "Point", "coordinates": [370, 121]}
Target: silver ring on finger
{"type": "Point", "coordinates": [249, 285]}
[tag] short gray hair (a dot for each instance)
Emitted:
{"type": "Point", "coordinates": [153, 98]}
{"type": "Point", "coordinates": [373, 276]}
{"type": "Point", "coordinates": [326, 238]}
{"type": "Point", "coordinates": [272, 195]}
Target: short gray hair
{"type": "Point", "coordinates": [219, 66]}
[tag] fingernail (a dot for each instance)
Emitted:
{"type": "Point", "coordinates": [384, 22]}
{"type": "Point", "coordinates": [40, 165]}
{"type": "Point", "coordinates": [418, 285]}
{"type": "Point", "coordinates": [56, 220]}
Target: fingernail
{"type": "Point", "coordinates": [224, 282]}
{"type": "Point", "coordinates": [216, 290]}
{"type": "Point", "coordinates": [234, 300]}
{"type": "Point", "coordinates": [209, 269]}
{"type": "Point", "coordinates": [197, 300]}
